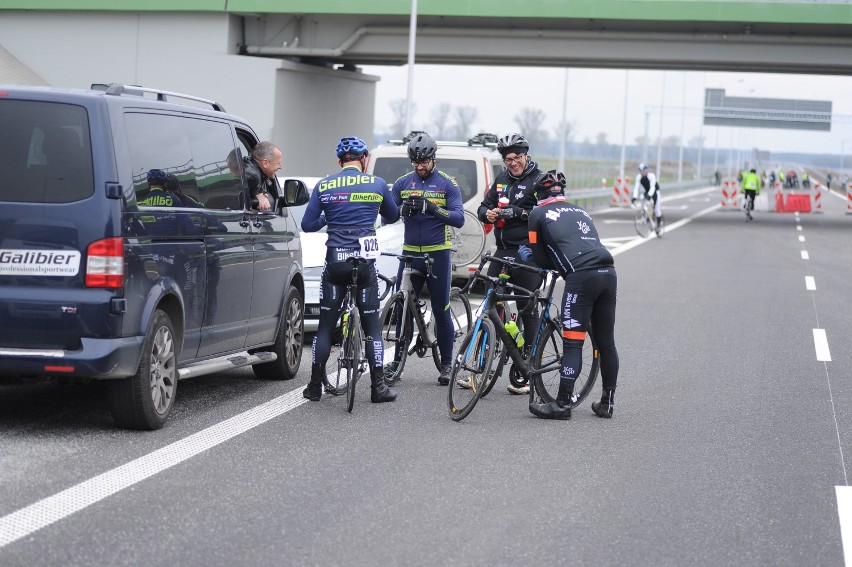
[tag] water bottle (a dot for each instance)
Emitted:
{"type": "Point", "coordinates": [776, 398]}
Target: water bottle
{"type": "Point", "coordinates": [345, 321]}
{"type": "Point", "coordinates": [515, 333]}
{"type": "Point", "coordinates": [502, 203]}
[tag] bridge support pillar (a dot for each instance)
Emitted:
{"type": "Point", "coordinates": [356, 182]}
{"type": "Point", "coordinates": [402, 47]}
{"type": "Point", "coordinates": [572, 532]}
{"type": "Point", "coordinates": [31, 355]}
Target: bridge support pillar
{"type": "Point", "coordinates": [314, 108]}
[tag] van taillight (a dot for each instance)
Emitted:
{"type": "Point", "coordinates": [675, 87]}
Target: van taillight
{"type": "Point", "coordinates": [105, 263]}
{"type": "Point", "coordinates": [487, 170]}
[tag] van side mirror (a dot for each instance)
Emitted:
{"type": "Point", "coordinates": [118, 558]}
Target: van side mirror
{"type": "Point", "coordinates": [295, 193]}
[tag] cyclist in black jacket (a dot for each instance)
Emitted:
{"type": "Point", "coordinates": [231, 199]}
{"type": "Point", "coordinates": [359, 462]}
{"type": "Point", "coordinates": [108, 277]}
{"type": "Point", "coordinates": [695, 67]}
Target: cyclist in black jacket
{"type": "Point", "coordinates": [563, 238]}
{"type": "Point", "coordinates": [514, 186]}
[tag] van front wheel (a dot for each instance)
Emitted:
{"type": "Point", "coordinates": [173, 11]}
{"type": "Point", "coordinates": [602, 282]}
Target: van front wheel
{"type": "Point", "coordinates": [288, 342]}
{"type": "Point", "coordinates": [145, 400]}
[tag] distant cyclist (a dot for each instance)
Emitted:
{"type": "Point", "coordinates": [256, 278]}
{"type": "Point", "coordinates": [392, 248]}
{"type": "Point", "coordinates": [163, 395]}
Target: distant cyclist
{"type": "Point", "coordinates": [751, 188]}
{"type": "Point", "coordinates": [649, 186]}
{"type": "Point", "coordinates": [507, 205]}
{"type": "Point", "coordinates": [563, 237]}
{"type": "Point", "coordinates": [430, 203]}
{"type": "Point", "coordinates": [348, 202]}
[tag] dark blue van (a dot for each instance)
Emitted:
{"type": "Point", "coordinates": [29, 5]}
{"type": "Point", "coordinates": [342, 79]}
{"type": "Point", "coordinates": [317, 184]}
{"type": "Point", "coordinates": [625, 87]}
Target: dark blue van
{"type": "Point", "coordinates": [130, 251]}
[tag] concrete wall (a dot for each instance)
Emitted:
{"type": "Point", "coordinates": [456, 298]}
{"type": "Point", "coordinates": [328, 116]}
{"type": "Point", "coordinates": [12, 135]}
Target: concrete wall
{"type": "Point", "coordinates": [298, 107]}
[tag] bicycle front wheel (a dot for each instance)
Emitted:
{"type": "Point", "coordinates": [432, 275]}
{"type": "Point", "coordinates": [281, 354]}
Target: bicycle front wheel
{"type": "Point", "coordinates": [471, 365]}
{"type": "Point", "coordinates": [353, 346]}
{"type": "Point", "coordinates": [548, 354]}
{"type": "Point", "coordinates": [460, 316]}
{"type": "Point", "coordinates": [397, 330]}
{"type": "Point", "coordinates": [642, 223]}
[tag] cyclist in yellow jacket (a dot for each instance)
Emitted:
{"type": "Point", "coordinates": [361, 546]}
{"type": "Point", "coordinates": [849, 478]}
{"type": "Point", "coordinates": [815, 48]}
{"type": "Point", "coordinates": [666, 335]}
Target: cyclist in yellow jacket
{"type": "Point", "coordinates": [751, 188]}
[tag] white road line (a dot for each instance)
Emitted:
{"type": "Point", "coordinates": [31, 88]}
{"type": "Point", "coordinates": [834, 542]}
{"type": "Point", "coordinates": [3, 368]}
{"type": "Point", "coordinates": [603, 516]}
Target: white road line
{"type": "Point", "coordinates": [810, 283]}
{"type": "Point", "coordinates": [669, 228]}
{"type": "Point", "coordinates": [801, 238]}
{"type": "Point", "coordinates": [27, 520]}
{"type": "Point", "coordinates": [844, 511]}
{"type": "Point", "coordinates": [798, 227]}
{"type": "Point", "coordinates": [821, 346]}
{"type": "Point", "coordinates": [805, 255]}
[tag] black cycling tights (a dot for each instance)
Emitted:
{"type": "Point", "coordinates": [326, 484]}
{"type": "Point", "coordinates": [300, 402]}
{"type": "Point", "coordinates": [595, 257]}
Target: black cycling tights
{"type": "Point", "coordinates": [590, 297]}
{"type": "Point", "coordinates": [336, 275]}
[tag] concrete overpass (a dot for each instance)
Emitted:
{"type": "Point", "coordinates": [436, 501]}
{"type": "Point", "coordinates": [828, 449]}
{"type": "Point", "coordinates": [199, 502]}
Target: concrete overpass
{"type": "Point", "coordinates": [294, 73]}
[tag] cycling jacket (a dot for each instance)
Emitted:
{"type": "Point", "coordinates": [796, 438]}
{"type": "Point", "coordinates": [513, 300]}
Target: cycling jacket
{"type": "Point", "coordinates": [648, 183]}
{"type": "Point", "coordinates": [563, 237]}
{"type": "Point", "coordinates": [349, 202]}
{"type": "Point", "coordinates": [521, 195]}
{"type": "Point", "coordinates": [425, 232]}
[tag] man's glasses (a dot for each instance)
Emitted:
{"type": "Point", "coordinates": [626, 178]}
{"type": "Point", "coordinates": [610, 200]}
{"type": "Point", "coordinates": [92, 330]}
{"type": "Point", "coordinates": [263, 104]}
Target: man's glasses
{"type": "Point", "coordinates": [517, 159]}
{"type": "Point", "coordinates": [424, 163]}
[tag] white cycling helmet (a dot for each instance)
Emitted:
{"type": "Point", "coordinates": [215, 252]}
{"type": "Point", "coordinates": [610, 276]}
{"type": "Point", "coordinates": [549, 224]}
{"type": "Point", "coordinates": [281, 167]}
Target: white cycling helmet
{"type": "Point", "coordinates": [643, 167]}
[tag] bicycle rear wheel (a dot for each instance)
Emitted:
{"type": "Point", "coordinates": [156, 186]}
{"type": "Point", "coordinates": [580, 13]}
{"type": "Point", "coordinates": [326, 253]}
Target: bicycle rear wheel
{"type": "Point", "coordinates": [472, 363]}
{"type": "Point", "coordinates": [642, 223]}
{"type": "Point", "coordinates": [548, 352]}
{"type": "Point", "coordinates": [397, 329]}
{"type": "Point", "coordinates": [353, 346]}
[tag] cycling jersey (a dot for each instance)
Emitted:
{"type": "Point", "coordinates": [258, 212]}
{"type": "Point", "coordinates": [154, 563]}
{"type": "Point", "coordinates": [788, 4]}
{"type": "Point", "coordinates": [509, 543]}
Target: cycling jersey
{"type": "Point", "coordinates": [349, 202]}
{"type": "Point", "coordinates": [751, 182]}
{"type": "Point", "coordinates": [522, 199]}
{"type": "Point", "coordinates": [425, 232]}
{"type": "Point", "coordinates": [563, 237]}
{"type": "Point", "coordinates": [649, 185]}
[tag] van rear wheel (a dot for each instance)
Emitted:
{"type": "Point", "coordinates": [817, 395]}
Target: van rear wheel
{"type": "Point", "coordinates": [288, 342]}
{"type": "Point", "coordinates": [145, 400]}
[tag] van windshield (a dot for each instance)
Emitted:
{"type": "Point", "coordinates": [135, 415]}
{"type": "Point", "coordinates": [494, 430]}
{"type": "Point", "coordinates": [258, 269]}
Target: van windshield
{"type": "Point", "coordinates": [463, 170]}
{"type": "Point", "coordinates": [45, 152]}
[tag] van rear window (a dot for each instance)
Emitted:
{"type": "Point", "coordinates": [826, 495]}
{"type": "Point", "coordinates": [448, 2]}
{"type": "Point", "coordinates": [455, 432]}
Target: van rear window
{"type": "Point", "coordinates": [45, 152]}
{"type": "Point", "coordinates": [463, 170]}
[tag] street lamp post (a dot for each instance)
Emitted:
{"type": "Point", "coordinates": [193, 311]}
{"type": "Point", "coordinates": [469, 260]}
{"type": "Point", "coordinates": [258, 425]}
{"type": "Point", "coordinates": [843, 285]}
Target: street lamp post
{"type": "Point", "coordinates": [412, 36]}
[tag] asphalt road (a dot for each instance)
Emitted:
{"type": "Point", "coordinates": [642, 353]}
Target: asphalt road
{"type": "Point", "coordinates": [729, 441]}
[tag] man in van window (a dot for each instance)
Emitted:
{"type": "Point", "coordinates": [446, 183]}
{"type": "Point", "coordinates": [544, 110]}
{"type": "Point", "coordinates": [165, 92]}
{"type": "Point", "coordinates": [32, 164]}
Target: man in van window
{"type": "Point", "coordinates": [431, 203]}
{"type": "Point", "coordinates": [507, 206]}
{"type": "Point", "coordinates": [260, 169]}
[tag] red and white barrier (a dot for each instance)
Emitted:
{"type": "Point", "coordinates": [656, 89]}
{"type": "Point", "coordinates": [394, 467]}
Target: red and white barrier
{"type": "Point", "coordinates": [621, 192]}
{"type": "Point", "coordinates": [730, 195]}
{"type": "Point", "coordinates": [816, 199]}
{"type": "Point", "coordinates": [849, 198]}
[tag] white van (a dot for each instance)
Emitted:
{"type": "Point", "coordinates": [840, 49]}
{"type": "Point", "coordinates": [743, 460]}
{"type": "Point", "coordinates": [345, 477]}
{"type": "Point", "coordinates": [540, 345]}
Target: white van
{"type": "Point", "coordinates": [474, 165]}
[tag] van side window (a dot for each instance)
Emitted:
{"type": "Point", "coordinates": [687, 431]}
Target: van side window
{"type": "Point", "coordinates": [159, 148]}
{"type": "Point", "coordinates": [45, 152]}
{"type": "Point", "coordinates": [212, 142]}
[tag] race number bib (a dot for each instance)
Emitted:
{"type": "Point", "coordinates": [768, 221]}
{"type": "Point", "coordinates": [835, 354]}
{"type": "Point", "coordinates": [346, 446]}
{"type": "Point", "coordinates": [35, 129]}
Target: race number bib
{"type": "Point", "coordinates": [369, 247]}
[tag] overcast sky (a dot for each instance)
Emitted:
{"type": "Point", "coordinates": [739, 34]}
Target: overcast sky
{"type": "Point", "coordinates": [595, 102]}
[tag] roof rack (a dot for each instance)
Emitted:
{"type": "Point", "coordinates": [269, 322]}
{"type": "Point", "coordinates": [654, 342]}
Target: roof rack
{"type": "Point", "coordinates": [483, 139]}
{"type": "Point", "coordinates": [118, 89]}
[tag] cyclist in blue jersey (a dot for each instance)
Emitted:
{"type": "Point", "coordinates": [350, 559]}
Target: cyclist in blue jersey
{"type": "Point", "coordinates": [348, 202]}
{"type": "Point", "coordinates": [431, 203]}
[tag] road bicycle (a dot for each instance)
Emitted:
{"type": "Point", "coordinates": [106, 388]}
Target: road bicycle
{"type": "Point", "coordinates": [748, 206]}
{"type": "Point", "coordinates": [404, 315]}
{"type": "Point", "coordinates": [472, 363]}
{"type": "Point", "coordinates": [645, 222]}
{"type": "Point", "coordinates": [351, 360]}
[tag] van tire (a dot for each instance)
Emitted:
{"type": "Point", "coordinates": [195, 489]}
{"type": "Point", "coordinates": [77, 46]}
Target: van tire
{"type": "Point", "coordinates": [288, 341]}
{"type": "Point", "coordinates": [145, 400]}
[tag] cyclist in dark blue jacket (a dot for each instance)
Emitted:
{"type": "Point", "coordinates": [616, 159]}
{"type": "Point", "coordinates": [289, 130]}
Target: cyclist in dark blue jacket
{"type": "Point", "coordinates": [349, 202]}
{"type": "Point", "coordinates": [431, 203]}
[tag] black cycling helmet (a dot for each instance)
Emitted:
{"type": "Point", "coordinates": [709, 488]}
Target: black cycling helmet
{"type": "Point", "coordinates": [351, 149]}
{"type": "Point", "coordinates": [513, 142]}
{"type": "Point", "coordinates": [157, 177]}
{"type": "Point", "coordinates": [422, 147]}
{"type": "Point", "coordinates": [551, 184]}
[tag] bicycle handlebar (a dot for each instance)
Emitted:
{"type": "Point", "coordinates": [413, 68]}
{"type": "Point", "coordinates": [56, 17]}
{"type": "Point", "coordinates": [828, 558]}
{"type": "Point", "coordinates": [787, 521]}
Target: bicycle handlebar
{"type": "Point", "coordinates": [408, 258]}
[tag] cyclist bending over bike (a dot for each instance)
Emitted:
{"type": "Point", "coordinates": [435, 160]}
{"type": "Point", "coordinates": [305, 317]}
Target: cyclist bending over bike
{"type": "Point", "coordinates": [563, 238]}
{"type": "Point", "coordinates": [430, 202]}
{"type": "Point", "coordinates": [349, 201]}
{"type": "Point", "coordinates": [651, 190]}
{"type": "Point", "coordinates": [507, 205]}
